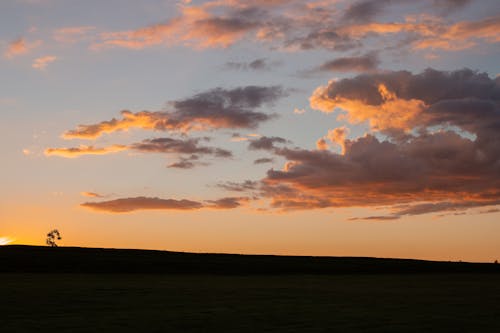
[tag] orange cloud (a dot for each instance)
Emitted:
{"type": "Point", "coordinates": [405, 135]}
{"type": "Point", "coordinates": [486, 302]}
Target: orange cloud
{"type": "Point", "coordinates": [463, 35]}
{"type": "Point", "coordinates": [91, 195]}
{"type": "Point", "coordinates": [20, 47]}
{"type": "Point", "coordinates": [71, 34]}
{"type": "Point", "coordinates": [321, 144]}
{"type": "Point", "coordinates": [42, 62]}
{"type": "Point", "coordinates": [392, 113]}
{"type": "Point", "coordinates": [338, 136]}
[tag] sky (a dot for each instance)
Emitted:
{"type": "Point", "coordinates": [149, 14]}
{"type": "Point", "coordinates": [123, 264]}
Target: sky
{"type": "Point", "coordinates": [322, 127]}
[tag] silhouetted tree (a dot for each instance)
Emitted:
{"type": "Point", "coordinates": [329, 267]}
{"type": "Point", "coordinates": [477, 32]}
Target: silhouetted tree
{"type": "Point", "coordinates": [52, 236]}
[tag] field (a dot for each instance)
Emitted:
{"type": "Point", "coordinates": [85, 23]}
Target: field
{"type": "Point", "coordinates": [224, 302]}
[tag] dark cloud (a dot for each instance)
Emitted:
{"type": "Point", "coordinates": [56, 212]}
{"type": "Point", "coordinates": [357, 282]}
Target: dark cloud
{"type": "Point", "coordinates": [190, 150]}
{"type": "Point", "coordinates": [451, 4]}
{"type": "Point", "coordinates": [364, 63]}
{"type": "Point", "coordinates": [326, 38]}
{"type": "Point", "coordinates": [227, 203]}
{"type": "Point", "coordinates": [375, 218]}
{"type": "Point", "coordinates": [263, 160]}
{"type": "Point", "coordinates": [365, 10]}
{"type": "Point", "coordinates": [266, 143]}
{"type": "Point", "coordinates": [261, 64]}
{"type": "Point", "coordinates": [182, 164]}
{"type": "Point", "coordinates": [179, 146]}
{"type": "Point", "coordinates": [214, 109]}
{"type": "Point", "coordinates": [245, 186]}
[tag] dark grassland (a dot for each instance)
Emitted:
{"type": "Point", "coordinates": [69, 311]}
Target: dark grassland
{"type": "Point", "coordinates": [285, 294]}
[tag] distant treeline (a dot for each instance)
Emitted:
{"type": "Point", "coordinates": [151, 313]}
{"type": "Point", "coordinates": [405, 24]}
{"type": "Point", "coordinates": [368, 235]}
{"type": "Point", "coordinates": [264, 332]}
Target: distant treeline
{"type": "Point", "coordinates": [37, 259]}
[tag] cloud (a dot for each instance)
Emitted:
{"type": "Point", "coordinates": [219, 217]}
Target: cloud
{"type": "Point", "coordinates": [263, 160]}
{"type": "Point", "coordinates": [321, 144]}
{"type": "Point", "coordinates": [227, 203]}
{"type": "Point", "coordinates": [336, 136]}
{"type": "Point", "coordinates": [190, 150]}
{"type": "Point", "coordinates": [375, 218]}
{"type": "Point", "coordinates": [463, 35]}
{"type": "Point", "coordinates": [92, 195]}
{"type": "Point", "coordinates": [443, 156]}
{"type": "Point", "coordinates": [213, 109]}
{"type": "Point", "coordinates": [42, 62]}
{"type": "Point", "coordinates": [298, 25]}
{"type": "Point", "coordinates": [126, 205]}
{"type": "Point", "coordinates": [364, 63]}
{"type": "Point", "coordinates": [186, 163]}
{"type": "Point", "coordinates": [265, 143]}
{"type": "Point", "coordinates": [83, 150]}
{"type": "Point", "coordinates": [401, 100]}
{"type": "Point", "coordinates": [247, 185]}
{"type": "Point", "coordinates": [179, 146]}
{"type": "Point", "coordinates": [261, 64]}
{"type": "Point", "coordinates": [70, 35]}
{"type": "Point", "coordinates": [365, 10]}
{"type": "Point", "coordinates": [20, 47]}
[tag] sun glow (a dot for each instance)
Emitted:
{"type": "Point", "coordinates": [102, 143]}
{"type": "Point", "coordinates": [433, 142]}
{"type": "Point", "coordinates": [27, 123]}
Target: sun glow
{"type": "Point", "coordinates": [5, 240]}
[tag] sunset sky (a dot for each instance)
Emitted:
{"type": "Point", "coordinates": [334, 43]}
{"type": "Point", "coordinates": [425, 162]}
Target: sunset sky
{"type": "Point", "coordinates": [325, 127]}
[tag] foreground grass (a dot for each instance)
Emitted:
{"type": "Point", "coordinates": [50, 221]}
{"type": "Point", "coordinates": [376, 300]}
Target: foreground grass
{"type": "Point", "coordinates": [287, 303]}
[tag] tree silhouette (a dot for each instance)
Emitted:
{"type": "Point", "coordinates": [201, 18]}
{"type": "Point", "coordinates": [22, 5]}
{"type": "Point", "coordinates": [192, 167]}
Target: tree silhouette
{"type": "Point", "coordinates": [52, 236]}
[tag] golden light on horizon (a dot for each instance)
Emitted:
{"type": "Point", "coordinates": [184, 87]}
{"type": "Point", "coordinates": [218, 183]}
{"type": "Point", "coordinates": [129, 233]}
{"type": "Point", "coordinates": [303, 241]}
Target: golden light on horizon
{"type": "Point", "coordinates": [5, 240]}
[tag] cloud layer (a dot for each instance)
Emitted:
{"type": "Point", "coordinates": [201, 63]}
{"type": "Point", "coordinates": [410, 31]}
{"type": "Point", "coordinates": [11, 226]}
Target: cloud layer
{"type": "Point", "coordinates": [295, 24]}
{"type": "Point", "coordinates": [434, 146]}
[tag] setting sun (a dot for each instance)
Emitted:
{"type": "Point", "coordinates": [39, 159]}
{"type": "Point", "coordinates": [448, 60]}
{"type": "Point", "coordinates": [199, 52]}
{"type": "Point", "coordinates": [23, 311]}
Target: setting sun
{"type": "Point", "coordinates": [5, 240]}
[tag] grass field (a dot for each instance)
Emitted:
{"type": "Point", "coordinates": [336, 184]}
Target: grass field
{"type": "Point", "coordinates": [195, 303]}
{"type": "Point", "coordinates": [106, 290]}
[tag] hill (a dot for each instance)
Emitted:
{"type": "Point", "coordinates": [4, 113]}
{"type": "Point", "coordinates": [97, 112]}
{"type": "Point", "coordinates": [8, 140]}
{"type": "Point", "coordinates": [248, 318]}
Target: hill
{"type": "Point", "coordinates": [39, 259]}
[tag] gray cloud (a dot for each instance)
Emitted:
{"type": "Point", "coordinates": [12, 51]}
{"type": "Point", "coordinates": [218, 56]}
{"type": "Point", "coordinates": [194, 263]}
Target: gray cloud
{"type": "Point", "coordinates": [126, 205]}
{"type": "Point", "coordinates": [265, 143]}
{"type": "Point", "coordinates": [260, 64]}
{"type": "Point", "coordinates": [214, 109]}
{"type": "Point", "coordinates": [227, 203]}
{"type": "Point", "coordinates": [364, 63]}
{"type": "Point", "coordinates": [245, 186]}
{"type": "Point", "coordinates": [263, 160]}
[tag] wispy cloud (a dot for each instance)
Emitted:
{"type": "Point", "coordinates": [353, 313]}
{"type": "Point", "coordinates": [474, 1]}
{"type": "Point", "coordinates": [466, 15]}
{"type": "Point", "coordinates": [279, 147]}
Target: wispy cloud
{"type": "Point", "coordinates": [20, 47]}
{"type": "Point", "coordinates": [71, 35]}
{"type": "Point", "coordinates": [83, 150]}
{"type": "Point", "coordinates": [92, 195]}
{"type": "Point", "coordinates": [126, 205]}
{"type": "Point", "coordinates": [42, 62]}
